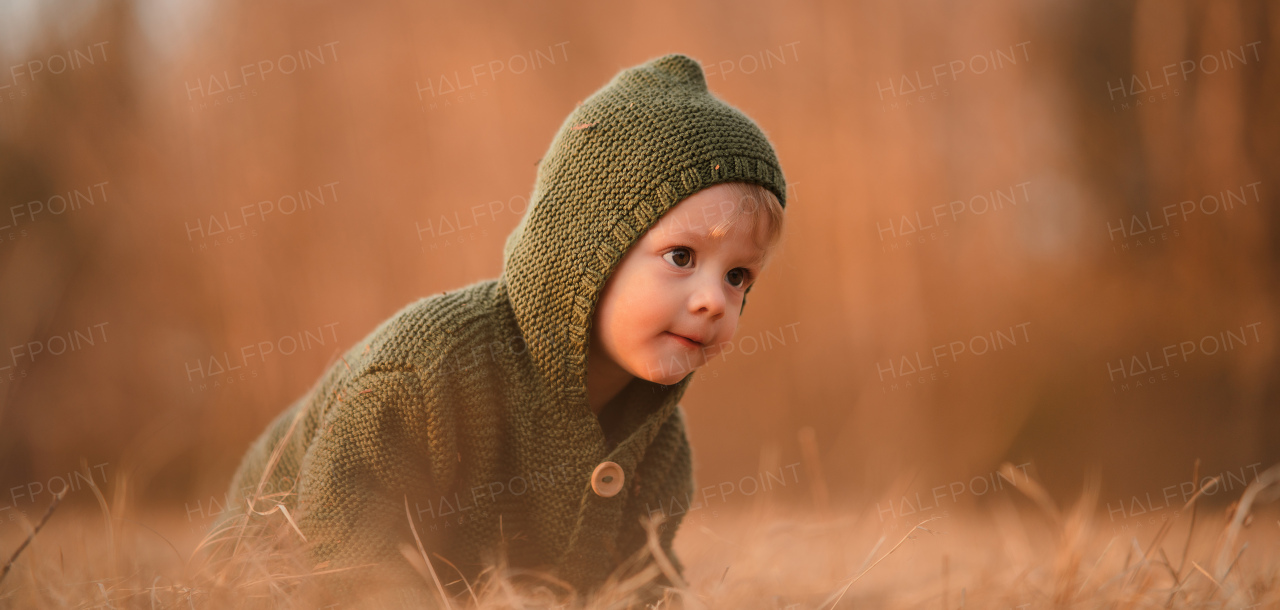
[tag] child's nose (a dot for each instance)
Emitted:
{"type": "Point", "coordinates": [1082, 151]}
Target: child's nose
{"type": "Point", "coordinates": [707, 298]}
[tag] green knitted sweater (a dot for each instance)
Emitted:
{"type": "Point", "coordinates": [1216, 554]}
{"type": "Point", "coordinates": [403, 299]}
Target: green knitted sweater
{"type": "Point", "coordinates": [472, 405]}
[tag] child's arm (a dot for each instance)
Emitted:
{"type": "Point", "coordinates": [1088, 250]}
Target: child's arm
{"type": "Point", "coordinates": [350, 452]}
{"type": "Point", "coordinates": [370, 454]}
{"type": "Point", "coordinates": [277, 487]}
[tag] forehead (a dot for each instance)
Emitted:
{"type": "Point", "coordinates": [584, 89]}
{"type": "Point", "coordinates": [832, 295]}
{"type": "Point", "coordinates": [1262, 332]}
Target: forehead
{"type": "Point", "coordinates": [694, 218]}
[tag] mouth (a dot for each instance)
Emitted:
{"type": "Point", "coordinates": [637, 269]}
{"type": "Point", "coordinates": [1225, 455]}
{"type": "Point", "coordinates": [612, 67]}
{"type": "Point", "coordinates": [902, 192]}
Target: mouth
{"type": "Point", "coordinates": [686, 341]}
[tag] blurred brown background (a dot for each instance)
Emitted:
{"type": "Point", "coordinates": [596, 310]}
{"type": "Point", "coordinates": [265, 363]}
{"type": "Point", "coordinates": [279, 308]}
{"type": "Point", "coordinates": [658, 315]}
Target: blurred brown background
{"type": "Point", "coordinates": [191, 187]}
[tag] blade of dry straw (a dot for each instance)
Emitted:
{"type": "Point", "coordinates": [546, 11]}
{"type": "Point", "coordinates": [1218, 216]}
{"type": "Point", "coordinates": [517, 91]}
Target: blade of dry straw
{"type": "Point", "coordinates": [158, 534]}
{"type": "Point", "coordinates": [47, 512]}
{"type": "Point", "coordinates": [287, 577]}
{"type": "Point", "coordinates": [460, 575]}
{"type": "Point", "coordinates": [615, 589]}
{"type": "Point", "coordinates": [1162, 532]}
{"type": "Point", "coordinates": [1164, 560]}
{"type": "Point", "coordinates": [659, 556]}
{"type": "Point", "coordinates": [872, 554]}
{"type": "Point", "coordinates": [1095, 566]}
{"type": "Point", "coordinates": [1268, 477]}
{"type": "Point", "coordinates": [544, 576]}
{"type": "Point", "coordinates": [633, 583]}
{"type": "Point", "coordinates": [1186, 548]}
{"type": "Point", "coordinates": [1206, 575]}
{"type": "Point", "coordinates": [284, 511]}
{"type": "Point", "coordinates": [443, 595]}
{"type": "Point", "coordinates": [1236, 560]}
{"type": "Point", "coordinates": [119, 495]}
{"type": "Point", "coordinates": [212, 537]}
{"type": "Point", "coordinates": [106, 515]}
{"type": "Point", "coordinates": [840, 595]}
{"type": "Point", "coordinates": [1034, 491]}
{"type": "Point", "coordinates": [813, 465]}
{"type": "Point", "coordinates": [501, 569]}
{"type": "Point", "coordinates": [267, 470]}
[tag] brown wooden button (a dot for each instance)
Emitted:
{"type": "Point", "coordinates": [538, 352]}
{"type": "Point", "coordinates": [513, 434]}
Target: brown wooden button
{"type": "Point", "coordinates": [606, 479]}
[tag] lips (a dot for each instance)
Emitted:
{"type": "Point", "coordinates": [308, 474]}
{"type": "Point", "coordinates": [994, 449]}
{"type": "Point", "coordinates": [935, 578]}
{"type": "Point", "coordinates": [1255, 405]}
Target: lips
{"type": "Point", "coordinates": [686, 341]}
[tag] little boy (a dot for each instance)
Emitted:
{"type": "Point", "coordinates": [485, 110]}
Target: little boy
{"type": "Point", "coordinates": [538, 413]}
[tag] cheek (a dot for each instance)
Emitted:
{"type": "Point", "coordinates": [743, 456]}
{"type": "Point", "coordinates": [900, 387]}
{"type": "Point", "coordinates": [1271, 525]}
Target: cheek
{"type": "Point", "coordinates": [645, 304]}
{"type": "Point", "coordinates": [634, 308]}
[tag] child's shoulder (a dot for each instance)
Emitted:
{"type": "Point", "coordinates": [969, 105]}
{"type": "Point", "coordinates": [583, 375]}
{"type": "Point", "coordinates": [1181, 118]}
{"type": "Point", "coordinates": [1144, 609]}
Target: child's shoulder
{"type": "Point", "coordinates": [423, 333]}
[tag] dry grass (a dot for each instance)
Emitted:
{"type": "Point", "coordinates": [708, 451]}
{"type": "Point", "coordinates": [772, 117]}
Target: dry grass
{"type": "Point", "coordinates": [766, 556]}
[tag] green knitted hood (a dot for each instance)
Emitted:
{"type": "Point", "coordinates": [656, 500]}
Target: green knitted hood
{"type": "Point", "coordinates": [651, 137]}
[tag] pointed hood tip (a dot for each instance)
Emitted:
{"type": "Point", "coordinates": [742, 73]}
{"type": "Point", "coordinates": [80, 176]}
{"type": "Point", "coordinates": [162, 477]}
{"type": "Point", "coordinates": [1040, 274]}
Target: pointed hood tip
{"type": "Point", "coordinates": [676, 68]}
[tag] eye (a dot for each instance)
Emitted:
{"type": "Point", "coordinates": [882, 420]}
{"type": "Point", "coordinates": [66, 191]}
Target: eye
{"type": "Point", "coordinates": [738, 277]}
{"type": "Point", "coordinates": [680, 257]}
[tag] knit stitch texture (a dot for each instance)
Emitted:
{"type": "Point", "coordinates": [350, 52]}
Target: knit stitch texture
{"type": "Point", "coordinates": [472, 405]}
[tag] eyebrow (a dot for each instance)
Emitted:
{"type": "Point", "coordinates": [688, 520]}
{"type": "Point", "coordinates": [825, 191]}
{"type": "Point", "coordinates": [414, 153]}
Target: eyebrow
{"type": "Point", "coordinates": [705, 233]}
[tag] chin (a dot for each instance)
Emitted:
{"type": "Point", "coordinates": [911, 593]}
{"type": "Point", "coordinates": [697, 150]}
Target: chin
{"type": "Point", "coordinates": [674, 367]}
{"type": "Point", "coordinates": [670, 380]}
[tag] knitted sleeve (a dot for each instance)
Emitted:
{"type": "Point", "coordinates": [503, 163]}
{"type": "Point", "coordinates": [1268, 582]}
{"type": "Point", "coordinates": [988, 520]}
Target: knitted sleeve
{"type": "Point", "coordinates": [371, 453]}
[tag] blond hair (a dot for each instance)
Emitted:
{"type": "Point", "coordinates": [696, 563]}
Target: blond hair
{"type": "Point", "coordinates": [754, 202]}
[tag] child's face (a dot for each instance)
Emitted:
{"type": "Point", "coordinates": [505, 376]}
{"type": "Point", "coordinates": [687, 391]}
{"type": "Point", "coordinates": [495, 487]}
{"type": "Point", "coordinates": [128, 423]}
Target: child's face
{"type": "Point", "coordinates": [676, 294]}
